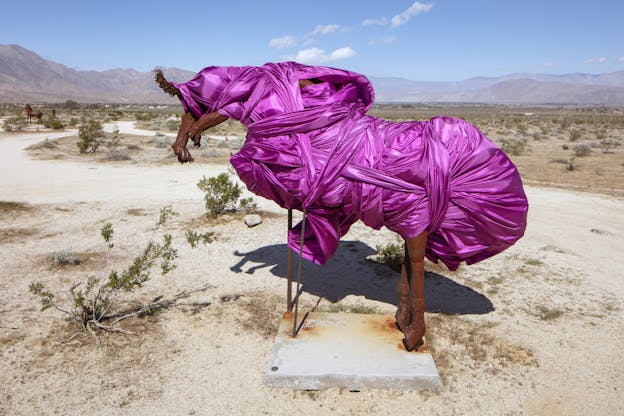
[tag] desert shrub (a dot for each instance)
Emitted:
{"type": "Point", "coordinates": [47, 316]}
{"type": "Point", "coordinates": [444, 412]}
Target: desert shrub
{"type": "Point", "coordinates": [221, 195]}
{"type": "Point", "coordinates": [73, 121]}
{"type": "Point", "coordinates": [133, 147]}
{"type": "Point", "coordinates": [391, 254]}
{"type": "Point", "coordinates": [64, 258]}
{"type": "Point", "coordinates": [247, 205]}
{"type": "Point", "coordinates": [16, 123]}
{"type": "Point", "coordinates": [582, 150]}
{"type": "Point", "coordinates": [514, 147]}
{"type": "Point", "coordinates": [193, 237]}
{"type": "Point", "coordinates": [47, 144]}
{"type": "Point", "coordinates": [564, 123]}
{"type": "Point", "coordinates": [166, 213]}
{"type": "Point", "coordinates": [571, 164]}
{"type": "Point", "coordinates": [53, 123]}
{"type": "Point", "coordinates": [173, 125]}
{"type": "Point", "coordinates": [145, 116]}
{"type": "Point", "coordinates": [609, 145]}
{"type": "Point", "coordinates": [522, 128]}
{"type": "Point", "coordinates": [117, 155]}
{"type": "Point", "coordinates": [107, 234]}
{"type": "Point", "coordinates": [114, 141]}
{"type": "Point", "coordinates": [89, 134]}
{"type": "Point", "coordinates": [575, 135]}
{"type": "Point", "coordinates": [96, 305]}
{"type": "Point", "coordinates": [159, 142]}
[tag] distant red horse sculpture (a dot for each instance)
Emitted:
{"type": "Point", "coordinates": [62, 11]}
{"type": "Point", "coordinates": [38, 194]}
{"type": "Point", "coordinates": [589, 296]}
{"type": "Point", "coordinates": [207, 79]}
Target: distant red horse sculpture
{"type": "Point", "coordinates": [30, 113]}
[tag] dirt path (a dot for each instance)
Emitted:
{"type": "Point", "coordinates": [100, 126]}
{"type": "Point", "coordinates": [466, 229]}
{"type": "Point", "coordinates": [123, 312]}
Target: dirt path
{"type": "Point", "coordinates": [57, 181]}
{"type": "Point", "coordinates": [551, 342]}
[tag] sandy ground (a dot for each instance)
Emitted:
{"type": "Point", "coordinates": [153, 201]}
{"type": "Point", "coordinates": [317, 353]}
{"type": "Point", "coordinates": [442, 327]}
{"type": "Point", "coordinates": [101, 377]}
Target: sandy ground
{"type": "Point", "coordinates": [537, 330]}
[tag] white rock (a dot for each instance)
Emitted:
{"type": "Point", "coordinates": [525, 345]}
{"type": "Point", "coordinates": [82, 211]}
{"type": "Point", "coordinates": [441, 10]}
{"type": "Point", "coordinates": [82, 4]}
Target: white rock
{"type": "Point", "coordinates": [252, 220]}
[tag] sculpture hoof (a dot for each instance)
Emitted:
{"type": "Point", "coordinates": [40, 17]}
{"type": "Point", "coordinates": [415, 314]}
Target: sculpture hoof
{"type": "Point", "coordinates": [412, 347]}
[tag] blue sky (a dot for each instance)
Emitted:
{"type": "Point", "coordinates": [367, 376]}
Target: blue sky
{"type": "Point", "coordinates": [439, 40]}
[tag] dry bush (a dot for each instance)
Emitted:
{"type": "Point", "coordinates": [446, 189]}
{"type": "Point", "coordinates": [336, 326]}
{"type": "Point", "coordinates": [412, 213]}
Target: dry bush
{"type": "Point", "coordinates": [582, 150]}
{"type": "Point", "coordinates": [117, 155]}
{"type": "Point", "coordinates": [222, 195]}
{"type": "Point", "coordinates": [16, 123]}
{"type": "Point", "coordinates": [95, 304]}
{"type": "Point", "coordinates": [64, 258]}
{"type": "Point", "coordinates": [89, 134]}
{"type": "Point", "coordinates": [609, 145]}
{"type": "Point", "coordinates": [514, 147]}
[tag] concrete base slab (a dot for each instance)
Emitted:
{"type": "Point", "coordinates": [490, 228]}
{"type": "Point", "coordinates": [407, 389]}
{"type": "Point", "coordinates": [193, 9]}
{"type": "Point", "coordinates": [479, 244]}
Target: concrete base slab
{"type": "Point", "coordinates": [354, 351]}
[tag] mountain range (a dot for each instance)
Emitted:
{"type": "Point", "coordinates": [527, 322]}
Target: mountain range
{"type": "Point", "coordinates": [27, 77]}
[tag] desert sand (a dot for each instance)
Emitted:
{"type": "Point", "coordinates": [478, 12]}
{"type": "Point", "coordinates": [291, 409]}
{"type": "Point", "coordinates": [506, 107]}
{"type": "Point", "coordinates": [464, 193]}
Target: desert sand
{"type": "Point", "coordinates": [536, 330]}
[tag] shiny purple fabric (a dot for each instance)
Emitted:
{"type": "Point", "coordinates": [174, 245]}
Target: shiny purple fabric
{"type": "Point", "coordinates": [315, 149]}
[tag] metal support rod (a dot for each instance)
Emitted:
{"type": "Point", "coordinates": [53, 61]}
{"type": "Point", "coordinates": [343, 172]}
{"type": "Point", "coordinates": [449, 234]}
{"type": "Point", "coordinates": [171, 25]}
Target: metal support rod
{"type": "Point", "coordinates": [289, 299]}
{"type": "Point", "coordinates": [299, 266]}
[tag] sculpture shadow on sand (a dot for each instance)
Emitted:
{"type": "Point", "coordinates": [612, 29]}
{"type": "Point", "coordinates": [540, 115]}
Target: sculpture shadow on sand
{"type": "Point", "coordinates": [333, 281]}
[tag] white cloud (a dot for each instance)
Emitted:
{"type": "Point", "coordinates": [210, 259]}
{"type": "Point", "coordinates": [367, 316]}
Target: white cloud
{"type": "Point", "coordinates": [342, 53]}
{"type": "Point", "coordinates": [621, 59]}
{"type": "Point", "coordinates": [283, 42]}
{"type": "Point", "coordinates": [413, 10]}
{"type": "Point", "coordinates": [318, 56]}
{"type": "Point", "coordinates": [325, 29]}
{"type": "Point", "coordinates": [382, 21]}
{"type": "Point", "coordinates": [381, 41]}
{"type": "Point", "coordinates": [600, 60]}
{"type": "Point", "coordinates": [551, 65]}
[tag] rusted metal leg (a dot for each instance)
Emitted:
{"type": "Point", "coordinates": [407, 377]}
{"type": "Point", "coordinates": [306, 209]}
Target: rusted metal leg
{"type": "Point", "coordinates": [403, 314]}
{"type": "Point", "coordinates": [416, 330]}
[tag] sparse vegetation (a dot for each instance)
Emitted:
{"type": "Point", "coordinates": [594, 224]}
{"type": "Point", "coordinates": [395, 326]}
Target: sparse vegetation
{"type": "Point", "coordinates": [15, 123]}
{"type": "Point", "coordinates": [53, 123]}
{"type": "Point", "coordinates": [95, 303]}
{"type": "Point", "coordinates": [193, 237]}
{"type": "Point", "coordinates": [117, 155]}
{"type": "Point", "coordinates": [391, 254]}
{"type": "Point", "coordinates": [582, 150]}
{"type": "Point", "coordinates": [114, 140]}
{"type": "Point", "coordinates": [609, 145]}
{"type": "Point", "coordinates": [222, 195]}
{"type": "Point", "coordinates": [64, 258]}
{"type": "Point", "coordinates": [247, 205]}
{"type": "Point", "coordinates": [89, 135]}
{"type": "Point", "coordinates": [575, 135]}
{"type": "Point", "coordinates": [514, 147]}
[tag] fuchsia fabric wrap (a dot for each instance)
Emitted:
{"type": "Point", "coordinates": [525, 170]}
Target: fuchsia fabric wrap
{"type": "Point", "coordinates": [316, 149]}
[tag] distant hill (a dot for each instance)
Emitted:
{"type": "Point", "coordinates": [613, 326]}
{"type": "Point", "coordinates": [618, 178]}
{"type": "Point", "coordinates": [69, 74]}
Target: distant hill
{"type": "Point", "coordinates": [582, 89]}
{"type": "Point", "coordinates": [27, 77]}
